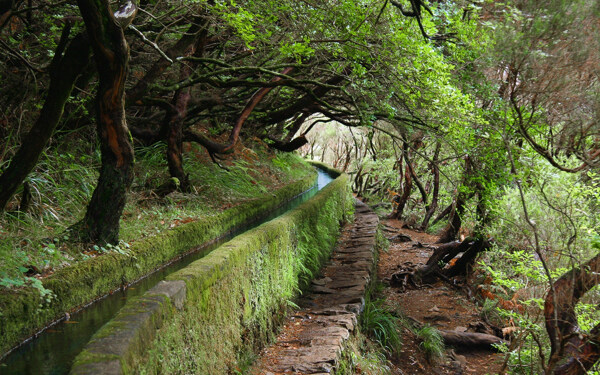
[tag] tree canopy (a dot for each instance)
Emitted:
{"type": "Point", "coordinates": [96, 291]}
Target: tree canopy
{"type": "Point", "coordinates": [459, 113]}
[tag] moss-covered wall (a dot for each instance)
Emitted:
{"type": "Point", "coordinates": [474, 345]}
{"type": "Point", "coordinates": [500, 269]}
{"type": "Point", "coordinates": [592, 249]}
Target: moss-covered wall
{"type": "Point", "coordinates": [325, 167]}
{"type": "Point", "coordinates": [74, 286]}
{"type": "Point", "coordinates": [235, 296]}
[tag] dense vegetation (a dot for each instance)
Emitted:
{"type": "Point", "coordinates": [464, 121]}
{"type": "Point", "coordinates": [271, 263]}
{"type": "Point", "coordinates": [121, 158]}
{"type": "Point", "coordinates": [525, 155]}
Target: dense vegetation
{"type": "Point", "coordinates": [476, 119]}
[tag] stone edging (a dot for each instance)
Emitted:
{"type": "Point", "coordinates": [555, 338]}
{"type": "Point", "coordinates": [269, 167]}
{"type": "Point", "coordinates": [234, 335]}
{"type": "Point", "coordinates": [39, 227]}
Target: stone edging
{"type": "Point", "coordinates": [313, 339]}
{"type": "Point", "coordinates": [86, 281]}
{"type": "Point", "coordinates": [121, 346]}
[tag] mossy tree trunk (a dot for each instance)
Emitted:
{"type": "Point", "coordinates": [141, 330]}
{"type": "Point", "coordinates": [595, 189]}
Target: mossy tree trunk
{"type": "Point", "coordinates": [64, 70]}
{"type": "Point", "coordinates": [111, 53]}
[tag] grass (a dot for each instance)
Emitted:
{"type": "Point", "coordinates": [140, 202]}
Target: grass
{"type": "Point", "coordinates": [381, 325]}
{"type": "Point", "coordinates": [432, 343]}
{"type": "Point", "coordinates": [363, 356]}
{"type": "Point", "coordinates": [36, 242]}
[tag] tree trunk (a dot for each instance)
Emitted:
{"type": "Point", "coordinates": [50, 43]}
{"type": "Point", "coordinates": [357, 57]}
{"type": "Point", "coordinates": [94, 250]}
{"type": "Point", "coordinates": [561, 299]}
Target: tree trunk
{"type": "Point", "coordinates": [111, 53]}
{"type": "Point", "coordinates": [175, 117]}
{"type": "Point", "coordinates": [290, 146]}
{"type": "Point", "coordinates": [436, 188]}
{"type": "Point", "coordinates": [224, 148]}
{"type": "Point", "coordinates": [64, 71]}
{"type": "Point", "coordinates": [450, 232]}
{"type": "Point", "coordinates": [174, 124]}
{"type": "Point", "coordinates": [406, 190]}
{"type": "Point", "coordinates": [305, 101]}
{"type": "Point", "coordinates": [465, 262]}
{"type": "Point", "coordinates": [443, 214]}
{"type": "Point", "coordinates": [442, 255]}
{"type": "Point", "coordinates": [572, 351]}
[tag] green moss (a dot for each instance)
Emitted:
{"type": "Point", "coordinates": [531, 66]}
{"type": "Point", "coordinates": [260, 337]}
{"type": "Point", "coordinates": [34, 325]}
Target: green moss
{"type": "Point", "coordinates": [126, 336]}
{"type": "Point", "coordinates": [237, 295]}
{"type": "Point", "coordinates": [83, 282]}
{"type": "Point", "coordinates": [86, 357]}
{"type": "Point", "coordinates": [360, 355]}
{"type": "Point", "coordinates": [326, 167]}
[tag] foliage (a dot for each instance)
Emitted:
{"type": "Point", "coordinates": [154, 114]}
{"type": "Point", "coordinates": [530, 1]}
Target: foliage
{"type": "Point", "coordinates": [363, 356]}
{"type": "Point", "coordinates": [485, 110]}
{"type": "Point", "coordinates": [432, 343]}
{"type": "Point", "coordinates": [39, 241]}
{"type": "Point", "coordinates": [381, 325]}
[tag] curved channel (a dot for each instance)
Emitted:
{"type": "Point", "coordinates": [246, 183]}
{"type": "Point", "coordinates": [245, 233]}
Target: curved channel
{"type": "Point", "coordinates": [52, 352]}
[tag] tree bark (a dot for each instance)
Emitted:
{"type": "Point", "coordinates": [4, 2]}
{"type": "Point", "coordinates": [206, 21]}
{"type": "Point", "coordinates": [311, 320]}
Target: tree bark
{"type": "Point", "coordinates": [175, 117]}
{"type": "Point", "coordinates": [430, 210]}
{"type": "Point", "coordinates": [302, 103]}
{"type": "Point", "coordinates": [174, 123]}
{"type": "Point", "coordinates": [219, 148]}
{"type": "Point", "coordinates": [111, 53]}
{"type": "Point", "coordinates": [445, 212]}
{"type": "Point", "coordinates": [442, 255]}
{"type": "Point", "coordinates": [450, 232]}
{"type": "Point", "coordinates": [572, 351]}
{"type": "Point", "coordinates": [290, 146]}
{"type": "Point", "coordinates": [64, 72]}
{"type": "Point", "coordinates": [406, 189]}
{"type": "Point", "coordinates": [465, 262]}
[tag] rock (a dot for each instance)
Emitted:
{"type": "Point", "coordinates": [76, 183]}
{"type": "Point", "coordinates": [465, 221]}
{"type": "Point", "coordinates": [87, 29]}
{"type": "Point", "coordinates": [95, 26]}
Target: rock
{"type": "Point", "coordinates": [461, 359]}
{"type": "Point", "coordinates": [456, 367]}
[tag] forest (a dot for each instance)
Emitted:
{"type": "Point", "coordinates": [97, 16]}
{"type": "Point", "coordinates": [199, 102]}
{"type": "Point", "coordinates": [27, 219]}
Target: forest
{"type": "Point", "coordinates": [474, 120]}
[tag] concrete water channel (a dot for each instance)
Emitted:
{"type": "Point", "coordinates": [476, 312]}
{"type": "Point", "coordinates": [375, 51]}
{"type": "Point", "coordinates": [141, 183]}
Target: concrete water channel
{"type": "Point", "coordinates": [52, 351]}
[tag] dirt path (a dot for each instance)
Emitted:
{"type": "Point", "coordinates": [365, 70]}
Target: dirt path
{"type": "Point", "coordinates": [439, 305]}
{"type": "Point", "coordinates": [312, 339]}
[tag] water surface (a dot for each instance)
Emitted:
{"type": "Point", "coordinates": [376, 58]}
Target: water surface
{"type": "Point", "coordinates": [52, 352]}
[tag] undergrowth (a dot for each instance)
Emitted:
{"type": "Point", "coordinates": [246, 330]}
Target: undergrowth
{"type": "Point", "coordinates": [363, 356]}
{"type": "Point", "coordinates": [432, 343]}
{"type": "Point", "coordinates": [381, 325]}
{"type": "Point", "coordinates": [36, 243]}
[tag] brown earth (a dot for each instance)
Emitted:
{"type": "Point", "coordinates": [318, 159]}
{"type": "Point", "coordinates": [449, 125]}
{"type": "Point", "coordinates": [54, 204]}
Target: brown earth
{"type": "Point", "coordinates": [440, 305]}
{"type": "Point", "coordinates": [312, 339]}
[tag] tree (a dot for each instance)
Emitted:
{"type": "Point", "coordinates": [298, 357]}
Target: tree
{"type": "Point", "coordinates": [111, 53]}
{"type": "Point", "coordinates": [70, 59]}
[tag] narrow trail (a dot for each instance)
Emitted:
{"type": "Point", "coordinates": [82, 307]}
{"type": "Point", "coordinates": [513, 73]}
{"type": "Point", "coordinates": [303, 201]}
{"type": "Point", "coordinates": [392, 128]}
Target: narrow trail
{"type": "Point", "coordinates": [312, 339]}
{"type": "Point", "coordinates": [439, 305]}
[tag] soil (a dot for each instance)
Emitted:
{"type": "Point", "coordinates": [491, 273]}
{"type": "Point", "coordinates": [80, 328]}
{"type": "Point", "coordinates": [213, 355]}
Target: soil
{"type": "Point", "coordinates": [440, 305]}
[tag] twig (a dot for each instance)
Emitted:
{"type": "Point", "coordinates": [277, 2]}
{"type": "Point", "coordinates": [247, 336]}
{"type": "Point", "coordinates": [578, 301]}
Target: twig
{"type": "Point", "coordinates": [151, 43]}
{"type": "Point", "coordinates": [20, 57]}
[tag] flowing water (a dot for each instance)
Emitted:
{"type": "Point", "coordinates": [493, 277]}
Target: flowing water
{"type": "Point", "coordinates": [52, 352]}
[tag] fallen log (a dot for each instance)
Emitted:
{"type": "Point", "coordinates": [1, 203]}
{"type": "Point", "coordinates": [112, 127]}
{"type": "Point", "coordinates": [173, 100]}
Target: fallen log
{"type": "Point", "coordinates": [436, 269]}
{"type": "Point", "coordinates": [471, 339]}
